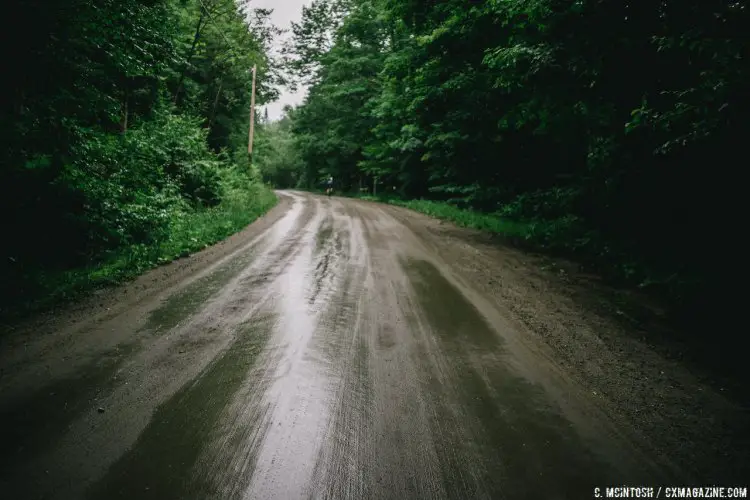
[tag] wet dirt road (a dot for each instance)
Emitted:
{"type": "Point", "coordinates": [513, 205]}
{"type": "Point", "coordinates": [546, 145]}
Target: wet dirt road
{"type": "Point", "coordinates": [336, 352]}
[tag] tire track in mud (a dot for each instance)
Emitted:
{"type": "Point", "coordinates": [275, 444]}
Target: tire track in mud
{"type": "Point", "coordinates": [337, 356]}
{"type": "Point", "coordinates": [498, 435]}
{"type": "Point", "coordinates": [401, 456]}
{"type": "Point", "coordinates": [431, 406]}
{"type": "Point", "coordinates": [225, 286]}
{"type": "Point", "coordinates": [283, 392]}
{"type": "Point", "coordinates": [159, 463]}
{"type": "Point", "coordinates": [306, 390]}
{"type": "Point", "coordinates": [218, 328]}
{"type": "Point", "coordinates": [269, 439]}
{"type": "Point", "coordinates": [343, 468]}
{"type": "Point", "coordinates": [240, 440]}
{"type": "Point", "coordinates": [386, 405]}
{"type": "Point", "coordinates": [332, 236]}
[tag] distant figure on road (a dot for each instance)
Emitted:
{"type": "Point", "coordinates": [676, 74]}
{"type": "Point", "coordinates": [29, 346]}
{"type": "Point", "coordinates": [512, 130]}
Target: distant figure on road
{"type": "Point", "coordinates": [329, 185]}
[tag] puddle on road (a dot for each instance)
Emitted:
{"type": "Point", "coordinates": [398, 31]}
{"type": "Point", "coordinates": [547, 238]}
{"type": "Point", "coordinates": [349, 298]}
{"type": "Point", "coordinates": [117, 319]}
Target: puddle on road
{"type": "Point", "coordinates": [498, 436]}
{"type": "Point", "coordinates": [41, 419]}
{"type": "Point", "coordinates": [160, 463]}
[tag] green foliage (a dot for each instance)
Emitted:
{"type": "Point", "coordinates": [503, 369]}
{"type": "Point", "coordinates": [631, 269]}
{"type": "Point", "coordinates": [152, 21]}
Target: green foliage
{"type": "Point", "coordinates": [467, 218]}
{"type": "Point", "coordinates": [589, 123]}
{"type": "Point", "coordinates": [547, 204]}
{"type": "Point", "coordinates": [194, 230]}
{"type": "Point", "coordinates": [189, 231]}
{"type": "Point", "coordinates": [126, 135]}
{"type": "Point", "coordinates": [278, 157]}
{"type": "Point", "coordinates": [312, 37]}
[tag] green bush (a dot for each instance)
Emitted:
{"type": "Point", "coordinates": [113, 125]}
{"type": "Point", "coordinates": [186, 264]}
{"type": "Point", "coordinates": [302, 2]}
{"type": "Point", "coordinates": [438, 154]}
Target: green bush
{"type": "Point", "coordinates": [123, 203]}
{"type": "Point", "coordinates": [177, 146]}
{"type": "Point", "coordinates": [200, 182]}
{"type": "Point", "coordinates": [549, 204]}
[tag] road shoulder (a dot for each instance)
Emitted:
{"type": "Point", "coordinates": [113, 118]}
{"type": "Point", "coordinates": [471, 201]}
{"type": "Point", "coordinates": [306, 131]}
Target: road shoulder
{"type": "Point", "coordinates": [683, 420]}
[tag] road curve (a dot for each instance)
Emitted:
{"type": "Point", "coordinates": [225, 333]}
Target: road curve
{"type": "Point", "coordinates": [336, 353]}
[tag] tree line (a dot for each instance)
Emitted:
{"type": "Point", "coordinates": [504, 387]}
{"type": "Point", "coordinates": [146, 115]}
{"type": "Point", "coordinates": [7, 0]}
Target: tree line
{"type": "Point", "coordinates": [123, 121]}
{"type": "Point", "coordinates": [609, 127]}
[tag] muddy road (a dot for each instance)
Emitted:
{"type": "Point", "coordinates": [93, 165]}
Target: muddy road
{"type": "Point", "coordinates": [345, 349]}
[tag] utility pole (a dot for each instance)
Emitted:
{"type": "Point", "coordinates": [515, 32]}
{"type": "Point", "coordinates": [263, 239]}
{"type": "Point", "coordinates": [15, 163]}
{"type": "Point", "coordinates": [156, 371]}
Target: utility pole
{"type": "Point", "coordinates": [252, 116]}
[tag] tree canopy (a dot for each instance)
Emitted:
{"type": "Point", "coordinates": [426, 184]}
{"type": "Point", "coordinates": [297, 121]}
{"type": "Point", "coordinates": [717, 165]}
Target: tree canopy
{"type": "Point", "coordinates": [596, 120]}
{"type": "Point", "coordinates": [610, 128]}
{"type": "Point", "coordinates": [121, 118]}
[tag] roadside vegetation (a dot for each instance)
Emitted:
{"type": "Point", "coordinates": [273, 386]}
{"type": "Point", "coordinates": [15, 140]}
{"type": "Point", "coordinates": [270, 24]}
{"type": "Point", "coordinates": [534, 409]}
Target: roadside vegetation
{"type": "Point", "coordinates": [601, 130]}
{"type": "Point", "coordinates": [125, 128]}
{"type": "Point", "coordinates": [554, 236]}
{"type": "Point", "coordinates": [189, 232]}
{"type": "Point", "coordinates": [462, 217]}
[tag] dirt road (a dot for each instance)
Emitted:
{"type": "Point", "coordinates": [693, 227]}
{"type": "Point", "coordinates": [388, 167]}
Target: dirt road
{"type": "Point", "coordinates": [344, 349]}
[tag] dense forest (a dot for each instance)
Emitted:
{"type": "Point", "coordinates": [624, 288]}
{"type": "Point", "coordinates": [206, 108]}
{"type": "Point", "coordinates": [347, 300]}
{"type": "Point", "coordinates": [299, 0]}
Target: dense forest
{"type": "Point", "coordinates": [125, 130]}
{"type": "Point", "coordinates": [605, 129]}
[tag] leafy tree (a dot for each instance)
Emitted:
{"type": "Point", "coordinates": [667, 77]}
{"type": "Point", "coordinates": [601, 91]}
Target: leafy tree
{"type": "Point", "coordinates": [121, 118]}
{"type": "Point", "coordinates": [593, 119]}
{"type": "Point", "coordinates": [279, 161]}
{"type": "Point", "coordinates": [312, 38]}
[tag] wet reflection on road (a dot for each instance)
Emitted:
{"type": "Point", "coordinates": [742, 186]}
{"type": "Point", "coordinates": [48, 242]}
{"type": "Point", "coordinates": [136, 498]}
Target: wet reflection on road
{"type": "Point", "coordinates": [335, 357]}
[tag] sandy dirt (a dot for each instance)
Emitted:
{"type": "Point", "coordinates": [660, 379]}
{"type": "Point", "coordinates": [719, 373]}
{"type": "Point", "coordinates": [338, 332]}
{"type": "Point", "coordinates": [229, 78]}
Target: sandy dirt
{"type": "Point", "coordinates": [345, 349]}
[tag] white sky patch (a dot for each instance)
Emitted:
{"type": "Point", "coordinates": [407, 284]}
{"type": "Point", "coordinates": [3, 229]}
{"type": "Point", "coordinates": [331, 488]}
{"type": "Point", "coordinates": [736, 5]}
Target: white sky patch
{"type": "Point", "coordinates": [284, 12]}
